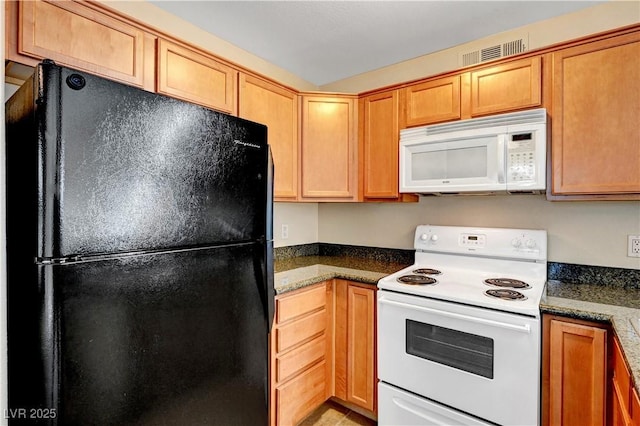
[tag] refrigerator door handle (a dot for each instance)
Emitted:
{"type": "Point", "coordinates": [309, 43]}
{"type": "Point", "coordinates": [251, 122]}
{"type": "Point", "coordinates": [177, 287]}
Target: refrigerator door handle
{"type": "Point", "coordinates": [271, 293]}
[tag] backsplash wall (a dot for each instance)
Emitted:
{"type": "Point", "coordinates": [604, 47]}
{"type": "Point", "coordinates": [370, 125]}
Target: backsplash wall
{"type": "Point", "coordinates": [588, 233]}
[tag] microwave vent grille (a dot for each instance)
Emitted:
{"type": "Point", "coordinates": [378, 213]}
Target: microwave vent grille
{"type": "Point", "coordinates": [533, 116]}
{"type": "Point", "coordinates": [489, 53]}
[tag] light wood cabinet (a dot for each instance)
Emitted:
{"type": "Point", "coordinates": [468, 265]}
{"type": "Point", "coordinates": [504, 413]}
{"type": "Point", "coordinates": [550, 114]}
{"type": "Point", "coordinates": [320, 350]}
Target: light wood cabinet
{"type": "Point", "coordinates": [506, 87]}
{"type": "Point", "coordinates": [301, 345]}
{"type": "Point", "coordinates": [77, 35]}
{"type": "Point", "coordinates": [574, 372]}
{"type": "Point", "coordinates": [354, 357]}
{"type": "Point", "coordinates": [329, 163]}
{"type": "Point", "coordinates": [192, 76]}
{"type": "Point", "coordinates": [635, 408]}
{"type": "Point", "coordinates": [277, 108]}
{"type": "Point", "coordinates": [432, 101]}
{"type": "Point", "coordinates": [595, 144]}
{"type": "Point", "coordinates": [622, 391]}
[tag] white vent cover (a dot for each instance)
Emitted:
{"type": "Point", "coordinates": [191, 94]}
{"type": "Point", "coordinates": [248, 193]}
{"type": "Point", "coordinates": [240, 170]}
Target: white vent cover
{"type": "Point", "coordinates": [496, 51]}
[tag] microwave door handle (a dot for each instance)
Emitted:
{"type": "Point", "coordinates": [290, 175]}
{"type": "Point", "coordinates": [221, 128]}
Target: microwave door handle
{"type": "Point", "coordinates": [502, 140]}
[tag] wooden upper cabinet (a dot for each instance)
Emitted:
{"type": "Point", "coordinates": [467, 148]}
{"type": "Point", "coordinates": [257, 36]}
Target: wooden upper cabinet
{"type": "Point", "coordinates": [380, 134]}
{"type": "Point", "coordinates": [80, 37]}
{"type": "Point", "coordinates": [432, 101]}
{"type": "Point", "coordinates": [329, 148]}
{"type": "Point", "coordinates": [506, 87]}
{"type": "Point", "coordinates": [189, 75]}
{"type": "Point", "coordinates": [595, 140]}
{"type": "Point", "coordinates": [277, 108]}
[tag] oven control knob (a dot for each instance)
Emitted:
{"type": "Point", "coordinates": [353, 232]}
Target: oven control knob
{"type": "Point", "coordinates": [434, 238]}
{"type": "Point", "coordinates": [530, 243]}
{"type": "Point", "coordinates": [516, 242]}
{"type": "Point", "coordinates": [424, 237]}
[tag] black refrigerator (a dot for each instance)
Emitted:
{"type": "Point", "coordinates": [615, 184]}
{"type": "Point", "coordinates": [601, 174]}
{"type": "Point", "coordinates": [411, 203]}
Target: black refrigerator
{"type": "Point", "coordinates": [140, 257]}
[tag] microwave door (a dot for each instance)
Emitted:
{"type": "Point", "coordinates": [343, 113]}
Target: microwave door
{"type": "Point", "coordinates": [472, 164]}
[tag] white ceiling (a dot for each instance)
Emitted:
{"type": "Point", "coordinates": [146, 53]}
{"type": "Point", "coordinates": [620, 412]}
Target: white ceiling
{"type": "Point", "coordinates": [326, 41]}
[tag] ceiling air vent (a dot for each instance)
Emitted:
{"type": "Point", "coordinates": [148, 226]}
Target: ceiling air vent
{"type": "Point", "coordinates": [494, 52]}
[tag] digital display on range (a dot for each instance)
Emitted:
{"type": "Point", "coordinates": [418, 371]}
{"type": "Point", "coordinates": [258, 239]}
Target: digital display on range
{"type": "Point", "coordinates": [472, 238]}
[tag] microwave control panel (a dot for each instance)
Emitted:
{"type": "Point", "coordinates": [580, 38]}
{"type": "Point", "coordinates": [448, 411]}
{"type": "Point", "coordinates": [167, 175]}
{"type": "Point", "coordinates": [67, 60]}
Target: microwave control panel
{"type": "Point", "coordinates": [521, 157]}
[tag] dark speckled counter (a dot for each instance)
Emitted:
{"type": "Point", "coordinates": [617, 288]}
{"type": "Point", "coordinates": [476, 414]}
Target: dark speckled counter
{"type": "Point", "coordinates": [615, 300]}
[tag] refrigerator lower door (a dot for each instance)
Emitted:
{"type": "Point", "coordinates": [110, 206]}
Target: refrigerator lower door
{"type": "Point", "coordinates": [168, 338]}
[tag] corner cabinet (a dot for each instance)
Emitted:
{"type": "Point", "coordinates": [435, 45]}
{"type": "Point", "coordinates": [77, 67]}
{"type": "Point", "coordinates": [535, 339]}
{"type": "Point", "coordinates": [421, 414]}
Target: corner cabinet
{"type": "Point", "coordinates": [354, 356]}
{"type": "Point", "coordinates": [195, 77]}
{"type": "Point", "coordinates": [574, 372]}
{"type": "Point", "coordinates": [329, 148]}
{"type": "Point", "coordinates": [595, 145]}
{"type": "Point", "coordinates": [277, 108]}
{"type": "Point", "coordinates": [301, 343]}
{"type": "Point", "coordinates": [77, 35]}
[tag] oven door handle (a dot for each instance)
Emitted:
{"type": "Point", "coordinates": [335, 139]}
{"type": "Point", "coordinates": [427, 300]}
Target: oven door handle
{"type": "Point", "coordinates": [525, 328]}
{"type": "Point", "coordinates": [417, 411]}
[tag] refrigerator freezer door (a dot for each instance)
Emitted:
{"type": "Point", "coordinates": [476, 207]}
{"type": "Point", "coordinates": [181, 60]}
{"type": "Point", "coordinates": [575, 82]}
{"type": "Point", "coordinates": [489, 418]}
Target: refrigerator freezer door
{"type": "Point", "coordinates": [127, 170]}
{"type": "Point", "coordinates": [172, 338]}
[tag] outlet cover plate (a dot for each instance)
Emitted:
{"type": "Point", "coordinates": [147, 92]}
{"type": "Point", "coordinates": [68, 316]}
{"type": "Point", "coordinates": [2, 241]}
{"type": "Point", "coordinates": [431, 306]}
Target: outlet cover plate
{"type": "Point", "coordinates": [633, 247]}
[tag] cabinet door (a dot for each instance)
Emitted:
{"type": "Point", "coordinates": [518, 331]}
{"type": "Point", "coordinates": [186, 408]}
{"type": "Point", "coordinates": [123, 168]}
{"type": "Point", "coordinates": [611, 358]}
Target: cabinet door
{"type": "Point", "coordinates": [78, 36]}
{"type": "Point", "coordinates": [194, 77]}
{"type": "Point", "coordinates": [354, 358]}
{"type": "Point", "coordinates": [577, 377]}
{"type": "Point", "coordinates": [277, 108]}
{"type": "Point", "coordinates": [329, 148]}
{"type": "Point", "coordinates": [596, 104]}
{"type": "Point", "coordinates": [635, 408]}
{"type": "Point", "coordinates": [432, 101]}
{"type": "Point", "coordinates": [361, 379]}
{"type": "Point", "coordinates": [510, 86]}
{"type": "Point", "coordinates": [381, 144]}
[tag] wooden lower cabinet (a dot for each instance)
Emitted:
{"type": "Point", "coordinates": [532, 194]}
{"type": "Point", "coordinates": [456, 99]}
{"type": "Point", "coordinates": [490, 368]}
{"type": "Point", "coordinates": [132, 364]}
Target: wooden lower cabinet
{"type": "Point", "coordinates": [635, 408]}
{"type": "Point", "coordinates": [355, 318]}
{"type": "Point", "coordinates": [625, 408]}
{"type": "Point", "coordinates": [301, 339]}
{"type": "Point", "coordinates": [323, 346]}
{"type": "Point", "coordinates": [574, 372]}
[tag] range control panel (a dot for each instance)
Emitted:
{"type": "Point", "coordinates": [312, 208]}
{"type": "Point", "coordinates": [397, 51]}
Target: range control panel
{"type": "Point", "coordinates": [491, 242]}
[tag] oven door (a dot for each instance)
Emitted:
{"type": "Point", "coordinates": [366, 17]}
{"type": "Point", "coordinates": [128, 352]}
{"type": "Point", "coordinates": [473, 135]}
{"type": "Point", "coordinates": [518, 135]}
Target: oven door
{"type": "Point", "coordinates": [464, 161]}
{"type": "Point", "coordinates": [479, 361]}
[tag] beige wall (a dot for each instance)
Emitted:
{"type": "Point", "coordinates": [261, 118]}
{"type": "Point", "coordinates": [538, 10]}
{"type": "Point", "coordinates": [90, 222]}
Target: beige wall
{"type": "Point", "coordinates": [591, 233]}
{"type": "Point", "coordinates": [598, 18]}
{"type": "Point", "coordinates": [302, 220]}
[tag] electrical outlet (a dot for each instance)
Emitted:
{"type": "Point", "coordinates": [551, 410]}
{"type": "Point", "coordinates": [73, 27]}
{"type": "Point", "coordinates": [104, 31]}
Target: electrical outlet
{"type": "Point", "coordinates": [284, 233]}
{"type": "Point", "coordinates": [634, 246]}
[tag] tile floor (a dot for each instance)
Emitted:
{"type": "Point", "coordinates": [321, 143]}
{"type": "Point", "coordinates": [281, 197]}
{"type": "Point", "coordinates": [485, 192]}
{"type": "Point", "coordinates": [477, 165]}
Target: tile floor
{"type": "Point", "coordinates": [332, 414]}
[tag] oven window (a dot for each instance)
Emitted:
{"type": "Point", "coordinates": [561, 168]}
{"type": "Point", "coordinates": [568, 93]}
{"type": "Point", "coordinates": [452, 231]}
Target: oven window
{"type": "Point", "coordinates": [453, 348]}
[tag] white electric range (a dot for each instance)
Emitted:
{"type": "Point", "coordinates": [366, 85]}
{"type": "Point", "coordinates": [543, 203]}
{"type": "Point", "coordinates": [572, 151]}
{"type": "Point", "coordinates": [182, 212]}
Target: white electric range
{"type": "Point", "coordinates": [459, 331]}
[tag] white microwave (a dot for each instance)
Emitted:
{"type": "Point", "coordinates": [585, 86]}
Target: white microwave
{"type": "Point", "coordinates": [499, 153]}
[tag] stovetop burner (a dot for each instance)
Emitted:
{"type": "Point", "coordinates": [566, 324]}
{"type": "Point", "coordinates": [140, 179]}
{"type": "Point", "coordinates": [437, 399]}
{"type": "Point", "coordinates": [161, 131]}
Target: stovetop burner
{"type": "Point", "coordinates": [416, 280]}
{"type": "Point", "coordinates": [506, 282]}
{"type": "Point", "coordinates": [427, 271]}
{"type": "Point", "coordinates": [505, 294]}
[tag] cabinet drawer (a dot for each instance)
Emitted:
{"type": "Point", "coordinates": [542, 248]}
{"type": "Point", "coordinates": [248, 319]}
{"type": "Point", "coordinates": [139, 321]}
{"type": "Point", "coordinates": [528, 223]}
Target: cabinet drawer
{"type": "Point", "coordinates": [298, 304]}
{"type": "Point", "coordinates": [296, 332]}
{"type": "Point", "coordinates": [299, 359]}
{"type": "Point", "coordinates": [300, 396]}
{"type": "Point", "coordinates": [621, 375]}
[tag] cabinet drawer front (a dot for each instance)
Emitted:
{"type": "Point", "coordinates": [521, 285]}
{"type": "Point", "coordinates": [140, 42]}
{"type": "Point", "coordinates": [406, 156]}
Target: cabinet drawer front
{"type": "Point", "coordinates": [300, 396]}
{"type": "Point", "coordinates": [299, 359]}
{"type": "Point", "coordinates": [291, 306]}
{"type": "Point", "coordinates": [621, 375]}
{"type": "Point", "coordinates": [91, 41]}
{"type": "Point", "coordinates": [297, 332]}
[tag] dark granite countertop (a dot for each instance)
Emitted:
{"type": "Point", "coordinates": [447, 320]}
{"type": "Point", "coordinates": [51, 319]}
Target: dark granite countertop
{"type": "Point", "coordinates": [615, 304]}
